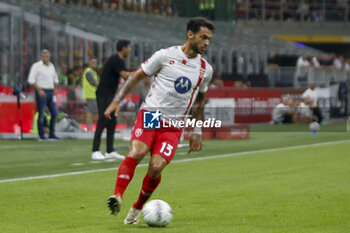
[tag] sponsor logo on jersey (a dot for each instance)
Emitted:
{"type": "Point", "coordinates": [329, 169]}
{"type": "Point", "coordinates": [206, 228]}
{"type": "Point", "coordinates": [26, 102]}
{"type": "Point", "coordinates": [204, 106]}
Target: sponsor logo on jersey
{"type": "Point", "coordinates": [151, 119]}
{"type": "Point", "coordinates": [182, 84]}
{"type": "Point", "coordinates": [177, 96]}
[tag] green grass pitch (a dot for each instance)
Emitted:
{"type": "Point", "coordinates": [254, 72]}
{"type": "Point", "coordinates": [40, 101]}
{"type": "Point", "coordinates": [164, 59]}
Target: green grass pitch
{"type": "Point", "coordinates": [274, 182]}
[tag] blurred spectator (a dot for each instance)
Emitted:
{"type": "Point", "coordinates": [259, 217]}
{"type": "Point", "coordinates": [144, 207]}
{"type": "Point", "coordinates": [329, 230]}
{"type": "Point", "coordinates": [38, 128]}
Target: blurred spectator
{"type": "Point", "coordinates": [113, 4]}
{"type": "Point", "coordinates": [240, 9]}
{"type": "Point", "coordinates": [142, 5]}
{"type": "Point", "coordinates": [89, 3]}
{"type": "Point", "coordinates": [47, 118]}
{"type": "Point", "coordinates": [207, 8]}
{"type": "Point", "coordinates": [311, 94]}
{"type": "Point", "coordinates": [315, 63]}
{"type": "Point", "coordinates": [90, 81]}
{"type": "Point", "coordinates": [343, 96]}
{"type": "Point", "coordinates": [97, 4]}
{"type": "Point", "coordinates": [301, 68]}
{"type": "Point", "coordinates": [338, 63]}
{"type": "Point", "coordinates": [63, 124]}
{"type": "Point", "coordinates": [326, 61]}
{"type": "Point", "coordinates": [272, 60]}
{"type": "Point", "coordinates": [347, 65]}
{"type": "Point", "coordinates": [311, 10]}
{"type": "Point", "coordinates": [242, 84]}
{"type": "Point", "coordinates": [74, 78]}
{"type": "Point", "coordinates": [303, 10]}
{"type": "Point", "coordinates": [210, 5]}
{"type": "Point", "coordinates": [315, 11]}
{"type": "Point", "coordinates": [304, 113]}
{"type": "Point", "coordinates": [217, 81]}
{"type": "Point", "coordinates": [170, 8]}
{"type": "Point", "coordinates": [129, 5]}
{"type": "Point", "coordinates": [66, 124]}
{"type": "Point", "coordinates": [283, 112]}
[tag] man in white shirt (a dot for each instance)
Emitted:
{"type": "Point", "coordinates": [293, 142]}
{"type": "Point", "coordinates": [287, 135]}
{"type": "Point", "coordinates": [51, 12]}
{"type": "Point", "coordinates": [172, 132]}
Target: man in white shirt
{"type": "Point", "coordinates": [304, 112]}
{"type": "Point", "coordinates": [315, 62]}
{"type": "Point", "coordinates": [302, 69]}
{"type": "Point", "coordinates": [181, 78]}
{"type": "Point", "coordinates": [283, 112]}
{"type": "Point", "coordinates": [311, 94]}
{"type": "Point", "coordinates": [43, 78]}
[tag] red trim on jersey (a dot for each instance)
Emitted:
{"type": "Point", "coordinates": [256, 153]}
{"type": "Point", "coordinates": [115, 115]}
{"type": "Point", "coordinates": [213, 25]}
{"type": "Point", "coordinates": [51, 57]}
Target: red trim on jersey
{"type": "Point", "coordinates": [200, 78]}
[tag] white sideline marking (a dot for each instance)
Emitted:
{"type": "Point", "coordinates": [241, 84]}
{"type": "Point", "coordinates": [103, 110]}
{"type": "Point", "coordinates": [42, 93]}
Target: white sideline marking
{"type": "Point", "coordinates": [95, 162]}
{"type": "Point", "coordinates": [78, 164]}
{"type": "Point", "coordinates": [179, 161]}
{"type": "Point", "coordinates": [4, 147]}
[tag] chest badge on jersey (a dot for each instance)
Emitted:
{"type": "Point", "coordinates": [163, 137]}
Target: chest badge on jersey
{"type": "Point", "coordinates": [182, 84]}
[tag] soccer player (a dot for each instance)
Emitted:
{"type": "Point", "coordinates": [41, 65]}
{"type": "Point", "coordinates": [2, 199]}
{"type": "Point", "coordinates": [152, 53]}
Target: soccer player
{"type": "Point", "coordinates": [181, 76]}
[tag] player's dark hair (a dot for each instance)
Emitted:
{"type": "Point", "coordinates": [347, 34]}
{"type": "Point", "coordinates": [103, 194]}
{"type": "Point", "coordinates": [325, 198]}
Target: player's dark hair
{"type": "Point", "coordinates": [195, 24]}
{"type": "Point", "coordinates": [121, 44]}
{"type": "Point", "coordinates": [92, 57]}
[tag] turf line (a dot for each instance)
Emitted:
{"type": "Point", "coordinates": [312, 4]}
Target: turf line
{"type": "Point", "coordinates": [180, 160]}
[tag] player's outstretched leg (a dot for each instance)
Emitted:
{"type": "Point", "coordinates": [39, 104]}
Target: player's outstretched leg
{"type": "Point", "coordinates": [148, 186]}
{"type": "Point", "coordinates": [150, 183]}
{"type": "Point", "coordinates": [125, 174]}
{"type": "Point", "coordinates": [133, 216]}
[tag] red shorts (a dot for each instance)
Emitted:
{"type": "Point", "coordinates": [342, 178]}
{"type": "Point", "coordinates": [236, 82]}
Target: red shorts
{"type": "Point", "coordinates": [163, 141]}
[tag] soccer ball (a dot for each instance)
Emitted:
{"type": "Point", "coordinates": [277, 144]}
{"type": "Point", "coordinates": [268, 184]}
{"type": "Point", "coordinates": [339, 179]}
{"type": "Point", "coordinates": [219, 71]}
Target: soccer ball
{"type": "Point", "coordinates": [157, 213]}
{"type": "Point", "coordinates": [314, 126]}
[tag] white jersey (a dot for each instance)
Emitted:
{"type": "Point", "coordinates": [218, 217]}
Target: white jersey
{"type": "Point", "coordinates": [177, 81]}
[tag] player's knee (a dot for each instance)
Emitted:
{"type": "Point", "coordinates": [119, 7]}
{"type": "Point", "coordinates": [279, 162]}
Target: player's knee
{"type": "Point", "coordinates": [137, 155]}
{"type": "Point", "coordinates": [154, 172]}
{"type": "Point", "coordinates": [138, 150]}
{"type": "Point", "coordinates": [156, 167]}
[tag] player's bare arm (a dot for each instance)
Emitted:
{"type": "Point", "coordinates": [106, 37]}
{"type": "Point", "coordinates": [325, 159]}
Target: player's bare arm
{"type": "Point", "coordinates": [198, 114]}
{"type": "Point", "coordinates": [131, 82]}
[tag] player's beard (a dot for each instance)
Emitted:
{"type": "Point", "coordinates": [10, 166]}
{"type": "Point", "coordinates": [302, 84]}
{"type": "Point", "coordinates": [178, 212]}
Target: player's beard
{"type": "Point", "coordinates": [195, 48]}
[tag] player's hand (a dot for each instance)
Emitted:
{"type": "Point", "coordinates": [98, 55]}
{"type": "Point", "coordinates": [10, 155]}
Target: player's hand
{"type": "Point", "coordinates": [195, 143]}
{"type": "Point", "coordinates": [112, 108]}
